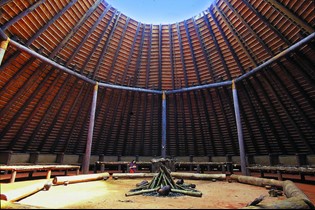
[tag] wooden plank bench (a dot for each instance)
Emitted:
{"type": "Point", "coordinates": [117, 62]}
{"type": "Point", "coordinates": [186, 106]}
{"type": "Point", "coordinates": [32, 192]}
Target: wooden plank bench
{"type": "Point", "coordinates": [225, 166]}
{"type": "Point", "coordinates": [302, 171]}
{"type": "Point", "coordinates": [120, 164]}
{"type": "Point", "coordinates": [14, 169]}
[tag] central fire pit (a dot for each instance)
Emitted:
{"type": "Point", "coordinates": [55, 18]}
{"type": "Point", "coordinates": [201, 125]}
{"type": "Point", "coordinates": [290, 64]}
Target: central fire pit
{"type": "Point", "coordinates": [162, 184]}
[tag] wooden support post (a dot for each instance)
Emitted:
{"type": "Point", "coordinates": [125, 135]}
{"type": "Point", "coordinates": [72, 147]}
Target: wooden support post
{"type": "Point", "coordinates": [48, 174]}
{"type": "Point", "coordinates": [30, 174]}
{"type": "Point", "coordinates": [279, 175]}
{"type": "Point", "coordinates": [34, 157]}
{"type": "Point", "coordinates": [5, 157]}
{"type": "Point", "coordinates": [3, 48]}
{"type": "Point", "coordinates": [261, 173]}
{"type": "Point", "coordinates": [102, 159]}
{"type": "Point", "coordinates": [163, 149]}
{"type": "Point", "coordinates": [60, 158]}
{"type": "Point", "coordinates": [239, 130]}
{"type": "Point", "coordinates": [301, 159]}
{"type": "Point", "coordinates": [86, 161]}
{"type": "Point", "coordinates": [13, 175]}
{"type": "Point", "coordinates": [274, 159]}
{"type": "Point", "coordinates": [229, 167]}
{"type": "Point", "coordinates": [198, 168]}
{"type": "Point", "coordinates": [210, 160]}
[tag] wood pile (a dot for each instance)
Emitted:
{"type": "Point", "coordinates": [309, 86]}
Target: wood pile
{"type": "Point", "coordinates": [162, 184]}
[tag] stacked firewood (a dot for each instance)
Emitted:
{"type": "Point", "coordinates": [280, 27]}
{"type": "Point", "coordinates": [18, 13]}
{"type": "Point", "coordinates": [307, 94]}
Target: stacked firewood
{"type": "Point", "coordinates": [163, 183]}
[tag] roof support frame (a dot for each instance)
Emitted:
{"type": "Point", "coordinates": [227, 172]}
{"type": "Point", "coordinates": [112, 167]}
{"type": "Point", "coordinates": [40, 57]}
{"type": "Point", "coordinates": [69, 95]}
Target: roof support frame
{"type": "Point", "coordinates": [49, 118]}
{"type": "Point", "coordinates": [25, 104]}
{"type": "Point", "coordinates": [110, 95]}
{"type": "Point", "coordinates": [77, 122]}
{"type": "Point", "coordinates": [212, 85]}
{"type": "Point", "coordinates": [242, 71]}
{"type": "Point", "coordinates": [61, 132]}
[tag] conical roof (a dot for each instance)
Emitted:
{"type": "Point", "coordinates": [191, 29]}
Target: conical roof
{"type": "Point", "coordinates": [47, 109]}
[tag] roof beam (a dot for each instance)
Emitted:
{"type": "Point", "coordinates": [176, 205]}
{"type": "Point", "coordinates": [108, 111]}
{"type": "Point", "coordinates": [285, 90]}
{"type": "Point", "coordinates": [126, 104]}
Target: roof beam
{"type": "Point", "coordinates": [278, 56]}
{"type": "Point", "coordinates": [258, 68]}
{"type": "Point", "coordinates": [22, 14]}
{"type": "Point", "coordinates": [291, 15]}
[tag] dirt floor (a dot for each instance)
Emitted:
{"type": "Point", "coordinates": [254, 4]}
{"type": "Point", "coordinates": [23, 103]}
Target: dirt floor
{"type": "Point", "coordinates": [110, 194]}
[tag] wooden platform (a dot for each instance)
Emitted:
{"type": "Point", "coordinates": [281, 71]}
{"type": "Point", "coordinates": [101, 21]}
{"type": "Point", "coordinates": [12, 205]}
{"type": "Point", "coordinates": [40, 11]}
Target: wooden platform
{"type": "Point", "coordinates": [14, 169]}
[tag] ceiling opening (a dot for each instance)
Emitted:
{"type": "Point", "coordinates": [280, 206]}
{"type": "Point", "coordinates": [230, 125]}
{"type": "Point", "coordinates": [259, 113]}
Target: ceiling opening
{"type": "Point", "coordinates": [160, 11]}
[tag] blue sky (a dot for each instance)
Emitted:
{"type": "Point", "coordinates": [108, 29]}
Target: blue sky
{"type": "Point", "coordinates": [160, 11]}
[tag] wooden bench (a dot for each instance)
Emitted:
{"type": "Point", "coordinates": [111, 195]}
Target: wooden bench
{"type": "Point", "coordinates": [122, 165]}
{"type": "Point", "coordinates": [279, 170]}
{"type": "Point", "coordinates": [298, 164]}
{"type": "Point", "coordinates": [224, 166]}
{"type": "Point", "coordinates": [14, 169]}
{"type": "Point", "coordinates": [202, 163]}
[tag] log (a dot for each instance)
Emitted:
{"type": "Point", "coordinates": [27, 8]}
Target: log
{"type": "Point", "coordinates": [256, 181]}
{"type": "Point", "coordinates": [169, 178]}
{"type": "Point", "coordinates": [198, 176]}
{"type": "Point", "coordinates": [130, 193]}
{"type": "Point", "coordinates": [12, 205]}
{"type": "Point", "coordinates": [291, 190]}
{"type": "Point", "coordinates": [79, 178]}
{"type": "Point", "coordinates": [256, 201]}
{"type": "Point", "coordinates": [187, 192]}
{"type": "Point", "coordinates": [290, 203]}
{"type": "Point", "coordinates": [22, 192]}
{"type": "Point", "coordinates": [133, 175]}
{"type": "Point", "coordinates": [165, 190]}
{"type": "Point", "coordinates": [142, 187]}
{"type": "Point", "coordinates": [142, 183]}
{"type": "Point", "coordinates": [155, 180]}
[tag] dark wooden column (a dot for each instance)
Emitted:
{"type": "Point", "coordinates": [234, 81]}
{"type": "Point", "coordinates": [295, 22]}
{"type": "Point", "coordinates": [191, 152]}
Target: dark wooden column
{"type": "Point", "coordinates": [239, 130]}
{"type": "Point", "coordinates": [87, 155]}
{"type": "Point", "coordinates": [163, 149]}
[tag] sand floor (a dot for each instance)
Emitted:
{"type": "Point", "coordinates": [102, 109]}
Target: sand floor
{"type": "Point", "coordinates": [110, 194]}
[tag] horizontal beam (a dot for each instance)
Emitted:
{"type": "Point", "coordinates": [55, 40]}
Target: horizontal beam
{"type": "Point", "coordinates": [50, 62]}
{"type": "Point", "coordinates": [130, 88]}
{"type": "Point", "coordinates": [278, 56]}
{"type": "Point", "coordinates": [212, 85]}
{"type": "Point", "coordinates": [69, 71]}
{"type": "Point", "coordinates": [3, 36]}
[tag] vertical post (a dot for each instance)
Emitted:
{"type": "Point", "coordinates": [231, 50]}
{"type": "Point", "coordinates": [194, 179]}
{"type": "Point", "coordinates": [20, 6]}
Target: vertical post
{"type": "Point", "coordinates": [86, 160]}
{"type": "Point", "coordinates": [239, 130]}
{"type": "Point", "coordinates": [3, 45]}
{"type": "Point", "coordinates": [163, 125]}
